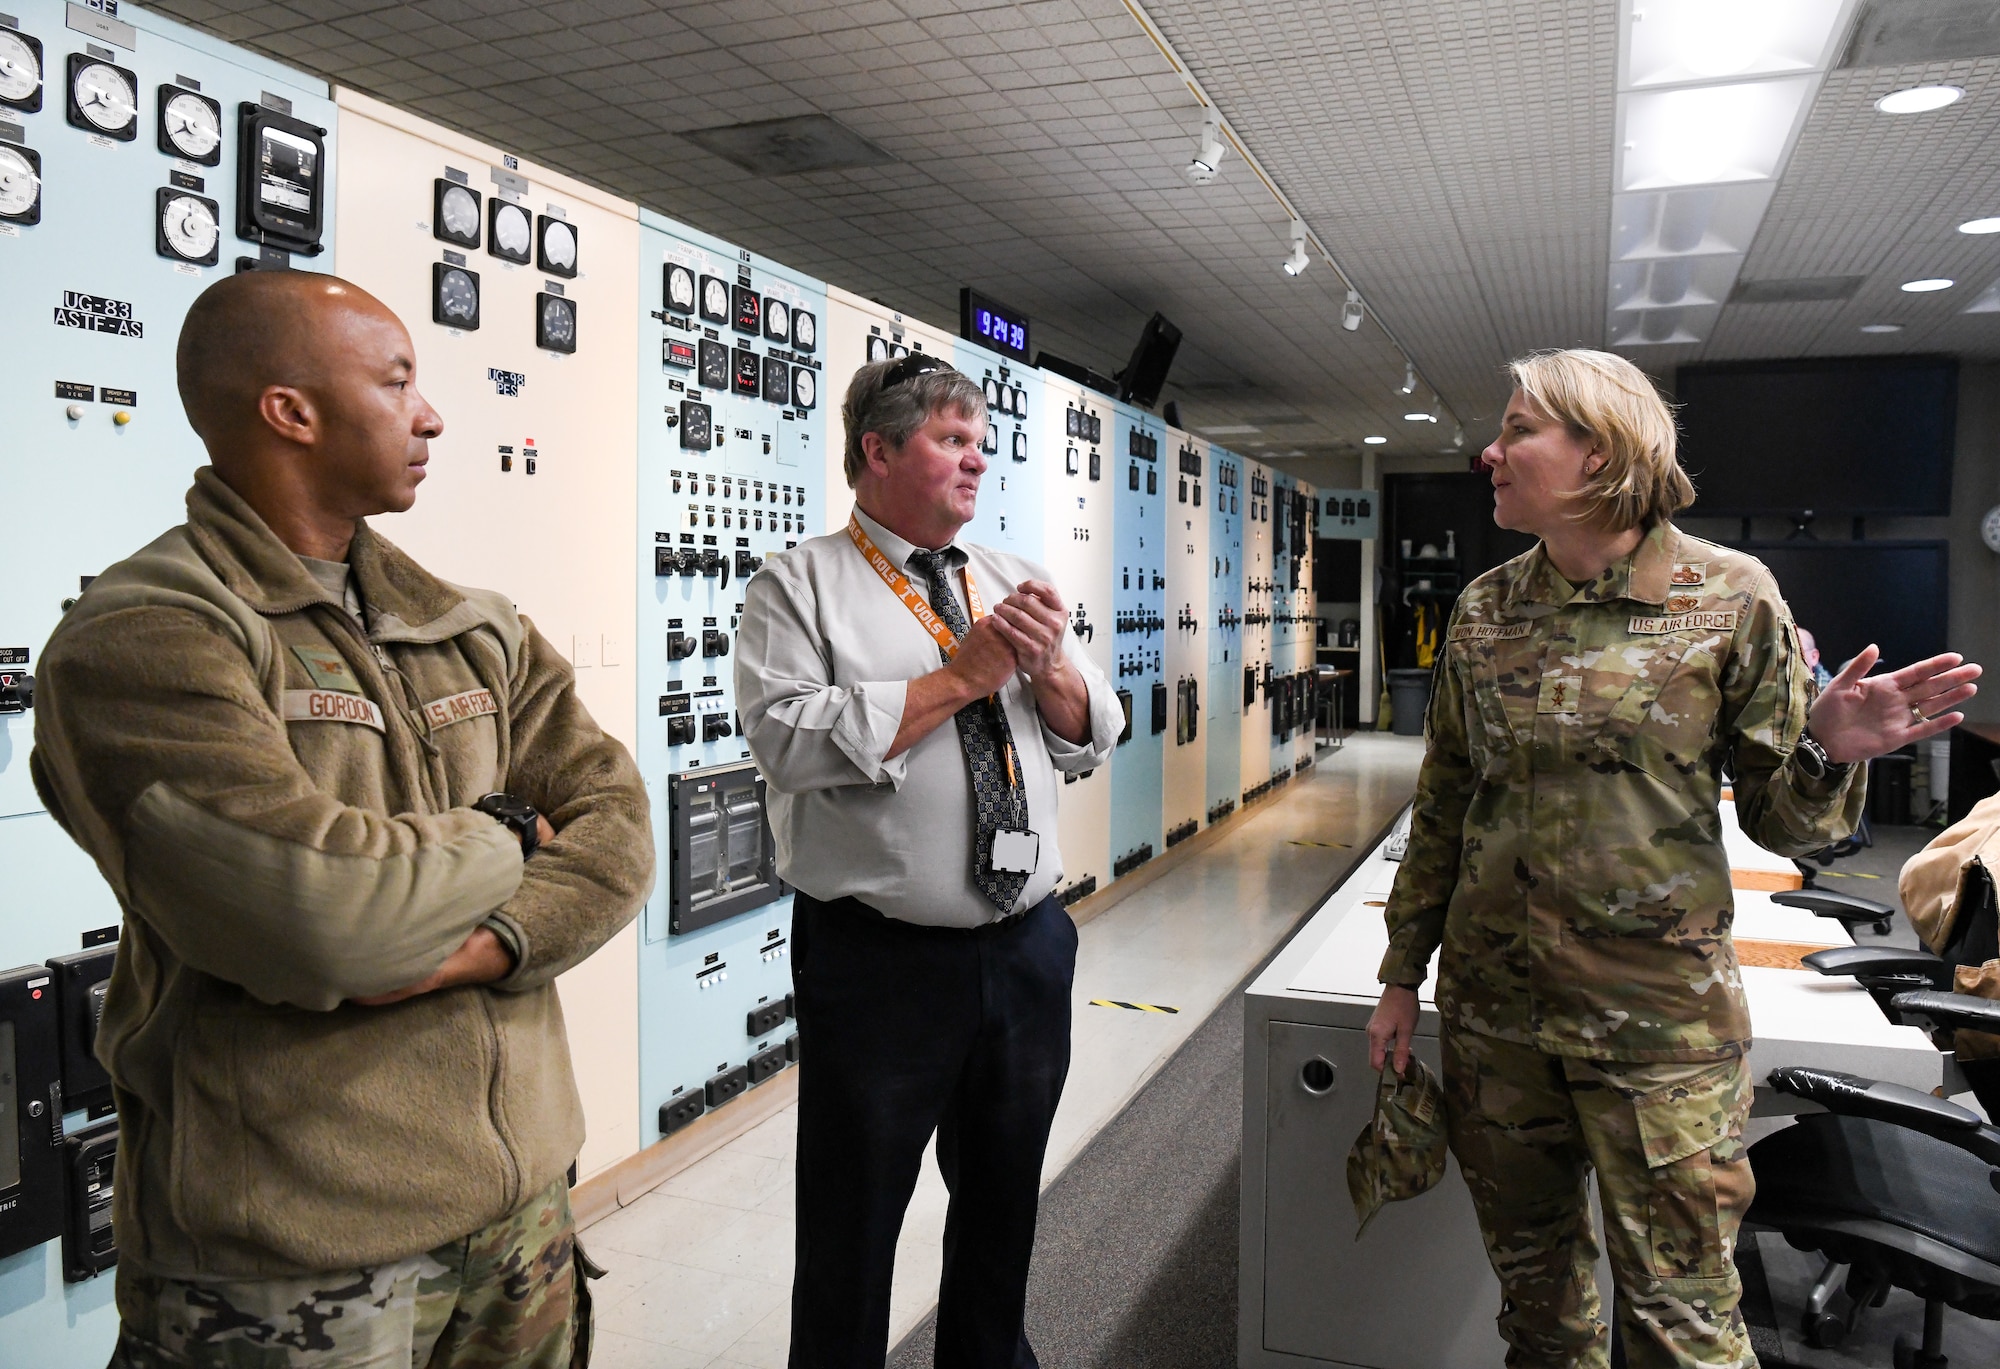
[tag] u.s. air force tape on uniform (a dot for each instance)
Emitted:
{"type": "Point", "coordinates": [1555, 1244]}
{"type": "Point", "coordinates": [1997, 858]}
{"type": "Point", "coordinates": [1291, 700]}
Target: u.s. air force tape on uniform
{"type": "Point", "coordinates": [331, 706]}
{"type": "Point", "coordinates": [1715, 620]}
{"type": "Point", "coordinates": [457, 708]}
{"type": "Point", "coordinates": [1400, 1153]}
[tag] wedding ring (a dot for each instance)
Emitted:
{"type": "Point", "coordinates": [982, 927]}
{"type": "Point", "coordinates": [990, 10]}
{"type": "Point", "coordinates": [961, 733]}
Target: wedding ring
{"type": "Point", "coordinates": [1916, 714]}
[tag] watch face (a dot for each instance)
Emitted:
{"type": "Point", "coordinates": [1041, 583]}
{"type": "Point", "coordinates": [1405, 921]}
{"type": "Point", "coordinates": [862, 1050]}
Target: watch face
{"type": "Point", "coordinates": [805, 387]}
{"type": "Point", "coordinates": [878, 347]}
{"type": "Point", "coordinates": [20, 184]}
{"type": "Point", "coordinates": [455, 213]}
{"type": "Point", "coordinates": [190, 126]}
{"type": "Point", "coordinates": [679, 289]}
{"type": "Point", "coordinates": [777, 380]}
{"type": "Point", "coordinates": [20, 71]}
{"type": "Point", "coordinates": [805, 331]}
{"type": "Point", "coordinates": [508, 231]}
{"type": "Point", "coordinates": [714, 299]}
{"type": "Point", "coordinates": [454, 296]}
{"type": "Point", "coordinates": [777, 321]}
{"type": "Point", "coordinates": [713, 373]}
{"type": "Point", "coordinates": [746, 370]}
{"type": "Point", "coordinates": [749, 309]}
{"type": "Point", "coordinates": [557, 251]}
{"type": "Point", "coordinates": [695, 434]}
{"type": "Point", "coordinates": [188, 229]}
{"type": "Point", "coordinates": [103, 98]}
{"type": "Point", "coordinates": [555, 323]}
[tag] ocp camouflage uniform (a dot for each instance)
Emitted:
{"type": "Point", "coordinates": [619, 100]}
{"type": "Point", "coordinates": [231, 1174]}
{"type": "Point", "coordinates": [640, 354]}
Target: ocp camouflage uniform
{"type": "Point", "coordinates": [1566, 853]}
{"type": "Point", "coordinates": [505, 1297]}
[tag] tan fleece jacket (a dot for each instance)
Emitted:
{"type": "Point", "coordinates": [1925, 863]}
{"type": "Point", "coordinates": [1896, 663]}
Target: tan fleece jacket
{"type": "Point", "coordinates": [280, 806]}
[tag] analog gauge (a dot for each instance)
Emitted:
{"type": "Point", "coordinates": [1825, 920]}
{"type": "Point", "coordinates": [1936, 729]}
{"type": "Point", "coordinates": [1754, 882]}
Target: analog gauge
{"type": "Point", "coordinates": [749, 309]}
{"type": "Point", "coordinates": [714, 299]}
{"type": "Point", "coordinates": [190, 126]}
{"type": "Point", "coordinates": [509, 234]}
{"type": "Point", "coordinates": [679, 289]}
{"type": "Point", "coordinates": [805, 387]}
{"type": "Point", "coordinates": [1989, 529]}
{"type": "Point", "coordinates": [1020, 402]}
{"type": "Point", "coordinates": [189, 227]}
{"type": "Point", "coordinates": [897, 349]}
{"type": "Point", "coordinates": [1020, 446]}
{"type": "Point", "coordinates": [992, 392]}
{"type": "Point", "coordinates": [805, 331]}
{"type": "Point", "coordinates": [20, 184]}
{"type": "Point", "coordinates": [695, 426]}
{"type": "Point", "coordinates": [454, 213]}
{"type": "Point", "coordinates": [555, 250]}
{"type": "Point", "coordinates": [20, 71]}
{"type": "Point", "coordinates": [777, 380]}
{"type": "Point", "coordinates": [777, 321]}
{"type": "Point", "coordinates": [454, 296]}
{"type": "Point", "coordinates": [103, 98]}
{"type": "Point", "coordinates": [878, 348]}
{"type": "Point", "coordinates": [555, 323]}
{"type": "Point", "coordinates": [713, 371]}
{"type": "Point", "coordinates": [747, 371]}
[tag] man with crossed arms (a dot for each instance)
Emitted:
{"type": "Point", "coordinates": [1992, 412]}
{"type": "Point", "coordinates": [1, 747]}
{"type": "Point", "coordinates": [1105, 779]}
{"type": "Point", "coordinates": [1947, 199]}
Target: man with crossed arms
{"type": "Point", "coordinates": [910, 729]}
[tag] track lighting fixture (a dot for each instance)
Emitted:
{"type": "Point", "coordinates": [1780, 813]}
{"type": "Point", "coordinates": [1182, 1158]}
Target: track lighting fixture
{"type": "Point", "coordinates": [1458, 436]}
{"type": "Point", "coordinates": [1208, 156]}
{"type": "Point", "coordinates": [1351, 312]}
{"type": "Point", "coordinates": [1297, 262]}
{"type": "Point", "coordinates": [1409, 385]}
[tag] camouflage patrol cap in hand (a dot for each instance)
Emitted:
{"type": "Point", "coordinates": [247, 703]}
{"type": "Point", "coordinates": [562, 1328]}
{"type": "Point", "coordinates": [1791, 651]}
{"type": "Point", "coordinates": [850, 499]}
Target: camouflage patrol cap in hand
{"type": "Point", "coordinates": [1400, 1153]}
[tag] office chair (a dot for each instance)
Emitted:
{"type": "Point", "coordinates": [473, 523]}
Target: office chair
{"type": "Point", "coordinates": [1896, 1188]}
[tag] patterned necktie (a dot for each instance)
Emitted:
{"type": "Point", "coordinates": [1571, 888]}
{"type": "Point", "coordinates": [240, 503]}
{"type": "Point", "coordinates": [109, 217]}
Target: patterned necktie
{"type": "Point", "coordinates": [987, 739]}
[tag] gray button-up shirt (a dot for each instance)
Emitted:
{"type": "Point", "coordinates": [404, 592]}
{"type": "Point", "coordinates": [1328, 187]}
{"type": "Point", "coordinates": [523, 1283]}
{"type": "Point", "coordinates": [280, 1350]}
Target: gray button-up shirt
{"type": "Point", "coordinates": [823, 659]}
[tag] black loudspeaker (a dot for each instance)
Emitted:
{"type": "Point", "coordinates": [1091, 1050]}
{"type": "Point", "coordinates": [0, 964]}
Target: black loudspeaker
{"type": "Point", "coordinates": [1146, 373]}
{"type": "Point", "coordinates": [1172, 413]}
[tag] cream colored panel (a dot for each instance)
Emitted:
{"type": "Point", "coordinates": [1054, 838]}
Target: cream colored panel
{"type": "Point", "coordinates": [558, 541]}
{"type": "Point", "coordinates": [855, 330]}
{"type": "Point", "coordinates": [1184, 466]}
{"type": "Point", "coordinates": [1258, 607]}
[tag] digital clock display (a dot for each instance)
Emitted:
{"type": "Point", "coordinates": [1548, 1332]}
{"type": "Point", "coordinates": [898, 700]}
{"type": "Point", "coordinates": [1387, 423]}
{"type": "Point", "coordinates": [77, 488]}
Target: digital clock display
{"type": "Point", "coordinates": [992, 324]}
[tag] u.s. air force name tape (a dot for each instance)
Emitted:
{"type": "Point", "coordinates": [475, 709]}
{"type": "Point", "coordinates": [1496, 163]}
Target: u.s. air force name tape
{"type": "Point", "coordinates": [457, 708]}
{"type": "Point", "coordinates": [331, 706]}
{"type": "Point", "coordinates": [1722, 620]}
{"type": "Point", "coordinates": [1489, 632]}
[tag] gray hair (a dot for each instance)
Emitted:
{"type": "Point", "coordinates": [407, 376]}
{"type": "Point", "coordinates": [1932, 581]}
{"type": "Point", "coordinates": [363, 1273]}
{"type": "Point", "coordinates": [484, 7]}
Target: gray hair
{"type": "Point", "coordinates": [896, 414]}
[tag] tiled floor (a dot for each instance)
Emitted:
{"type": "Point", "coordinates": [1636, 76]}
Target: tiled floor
{"type": "Point", "coordinates": [701, 1268]}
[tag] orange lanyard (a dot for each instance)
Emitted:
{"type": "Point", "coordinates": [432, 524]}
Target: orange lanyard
{"type": "Point", "coordinates": [919, 604]}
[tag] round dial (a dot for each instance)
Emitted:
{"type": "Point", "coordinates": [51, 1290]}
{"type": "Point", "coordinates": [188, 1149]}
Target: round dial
{"type": "Point", "coordinates": [680, 288]}
{"type": "Point", "coordinates": [106, 97]}
{"type": "Point", "coordinates": [458, 296]}
{"type": "Point", "coordinates": [20, 67]}
{"type": "Point", "coordinates": [715, 299]}
{"type": "Point", "coordinates": [878, 348]}
{"type": "Point", "coordinates": [1989, 528]}
{"type": "Point", "coordinates": [558, 323]}
{"type": "Point", "coordinates": [461, 212]}
{"type": "Point", "coordinates": [510, 229]}
{"type": "Point", "coordinates": [777, 319]}
{"type": "Point", "coordinates": [190, 227]}
{"type": "Point", "coordinates": [805, 388]}
{"type": "Point", "coordinates": [805, 333]}
{"type": "Point", "coordinates": [19, 184]}
{"type": "Point", "coordinates": [193, 129]}
{"type": "Point", "coordinates": [559, 244]}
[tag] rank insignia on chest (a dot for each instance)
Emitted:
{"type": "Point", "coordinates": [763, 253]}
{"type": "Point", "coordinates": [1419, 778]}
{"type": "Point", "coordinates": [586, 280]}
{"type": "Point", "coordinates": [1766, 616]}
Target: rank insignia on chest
{"type": "Point", "coordinates": [1560, 694]}
{"type": "Point", "coordinates": [327, 669]}
{"type": "Point", "coordinates": [1683, 603]}
{"type": "Point", "coordinates": [1690, 573]}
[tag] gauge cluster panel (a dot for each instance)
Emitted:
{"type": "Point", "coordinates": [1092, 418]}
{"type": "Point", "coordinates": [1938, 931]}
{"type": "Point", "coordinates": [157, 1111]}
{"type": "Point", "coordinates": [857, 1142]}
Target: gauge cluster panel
{"type": "Point", "coordinates": [1257, 672]}
{"type": "Point", "coordinates": [732, 469]}
{"type": "Point", "coordinates": [858, 331]}
{"type": "Point", "coordinates": [1012, 502]}
{"type": "Point", "coordinates": [118, 205]}
{"type": "Point", "coordinates": [1222, 486]}
{"type": "Point", "coordinates": [1135, 453]}
{"type": "Point", "coordinates": [1185, 496]}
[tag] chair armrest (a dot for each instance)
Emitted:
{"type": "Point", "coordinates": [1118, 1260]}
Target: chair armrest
{"type": "Point", "coordinates": [1853, 1096]}
{"type": "Point", "coordinates": [1960, 1011]}
{"type": "Point", "coordinates": [1880, 960]}
{"type": "Point", "coordinates": [1850, 910]}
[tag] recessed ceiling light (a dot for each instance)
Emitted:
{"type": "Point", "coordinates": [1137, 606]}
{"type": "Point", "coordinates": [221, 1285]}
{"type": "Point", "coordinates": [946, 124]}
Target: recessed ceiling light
{"type": "Point", "coordinates": [1980, 226]}
{"type": "Point", "coordinates": [1417, 418]}
{"type": "Point", "coordinates": [1374, 441]}
{"type": "Point", "coordinates": [1925, 286]}
{"type": "Point", "coordinates": [1881, 327]}
{"type": "Point", "coordinates": [1918, 99]}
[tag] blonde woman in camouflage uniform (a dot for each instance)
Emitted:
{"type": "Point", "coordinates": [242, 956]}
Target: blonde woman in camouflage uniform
{"type": "Point", "coordinates": [1566, 853]}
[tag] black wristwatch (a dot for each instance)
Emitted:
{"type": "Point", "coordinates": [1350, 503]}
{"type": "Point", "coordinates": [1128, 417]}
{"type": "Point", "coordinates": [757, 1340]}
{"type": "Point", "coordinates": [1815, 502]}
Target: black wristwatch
{"type": "Point", "coordinates": [1815, 764]}
{"type": "Point", "coordinates": [517, 817]}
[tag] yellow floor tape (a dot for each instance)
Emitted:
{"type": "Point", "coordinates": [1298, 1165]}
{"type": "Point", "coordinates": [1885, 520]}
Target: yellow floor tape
{"type": "Point", "coordinates": [1133, 1007]}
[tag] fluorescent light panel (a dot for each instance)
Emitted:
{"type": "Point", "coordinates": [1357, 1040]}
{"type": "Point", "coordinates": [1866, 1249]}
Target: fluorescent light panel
{"type": "Point", "coordinates": [1676, 42]}
{"type": "Point", "coordinates": [1708, 135]}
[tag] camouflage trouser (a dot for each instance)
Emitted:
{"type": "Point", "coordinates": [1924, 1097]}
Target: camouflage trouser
{"type": "Point", "coordinates": [507, 1295]}
{"type": "Point", "coordinates": [1672, 1176]}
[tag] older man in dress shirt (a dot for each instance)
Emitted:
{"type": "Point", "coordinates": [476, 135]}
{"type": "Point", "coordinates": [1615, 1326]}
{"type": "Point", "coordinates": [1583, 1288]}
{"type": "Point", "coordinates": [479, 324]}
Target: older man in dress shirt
{"type": "Point", "coordinates": [909, 700]}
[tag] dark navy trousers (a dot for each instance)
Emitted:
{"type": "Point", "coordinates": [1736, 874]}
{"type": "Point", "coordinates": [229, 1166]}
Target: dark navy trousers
{"type": "Point", "coordinates": [905, 1031]}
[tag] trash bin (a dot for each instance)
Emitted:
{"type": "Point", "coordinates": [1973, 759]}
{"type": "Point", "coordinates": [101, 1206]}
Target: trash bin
{"type": "Point", "coordinates": [1409, 700]}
